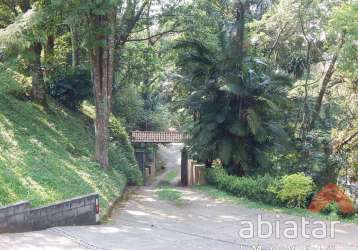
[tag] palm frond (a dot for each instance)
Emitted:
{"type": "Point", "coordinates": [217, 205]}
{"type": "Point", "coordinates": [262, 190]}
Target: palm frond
{"type": "Point", "coordinates": [194, 45]}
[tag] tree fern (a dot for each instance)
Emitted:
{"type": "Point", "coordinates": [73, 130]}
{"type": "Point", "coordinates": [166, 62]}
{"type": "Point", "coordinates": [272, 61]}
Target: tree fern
{"type": "Point", "coordinates": [20, 34]}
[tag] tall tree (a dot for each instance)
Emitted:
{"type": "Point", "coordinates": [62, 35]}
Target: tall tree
{"type": "Point", "coordinates": [75, 44]}
{"type": "Point", "coordinates": [38, 92]}
{"type": "Point", "coordinates": [102, 23]}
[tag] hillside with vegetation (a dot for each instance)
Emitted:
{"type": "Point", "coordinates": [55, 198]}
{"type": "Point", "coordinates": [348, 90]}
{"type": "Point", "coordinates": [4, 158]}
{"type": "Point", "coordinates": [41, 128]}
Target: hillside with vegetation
{"type": "Point", "coordinates": [46, 154]}
{"type": "Point", "coordinates": [267, 90]}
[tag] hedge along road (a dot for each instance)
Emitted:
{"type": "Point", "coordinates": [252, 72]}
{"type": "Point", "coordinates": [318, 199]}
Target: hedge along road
{"type": "Point", "coordinates": [181, 218]}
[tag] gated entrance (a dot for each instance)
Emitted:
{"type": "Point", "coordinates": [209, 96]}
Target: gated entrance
{"type": "Point", "coordinates": [142, 138]}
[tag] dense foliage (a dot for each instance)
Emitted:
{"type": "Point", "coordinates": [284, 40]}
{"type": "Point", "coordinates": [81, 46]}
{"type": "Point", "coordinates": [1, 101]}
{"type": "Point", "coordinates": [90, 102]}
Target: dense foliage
{"type": "Point", "coordinates": [267, 87]}
{"type": "Point", "coordinates": [235, 112]}
{"type": "Point", "coordinates": [291, 107]}
{"type": "Point", "coordinates": [71, 88]}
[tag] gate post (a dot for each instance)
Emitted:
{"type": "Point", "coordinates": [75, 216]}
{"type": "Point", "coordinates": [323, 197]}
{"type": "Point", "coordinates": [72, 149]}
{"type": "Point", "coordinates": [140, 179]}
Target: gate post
{"type": "Point", "coordinates": [184, 167]}
{"type": "Point", "coordinates": [140, 157]}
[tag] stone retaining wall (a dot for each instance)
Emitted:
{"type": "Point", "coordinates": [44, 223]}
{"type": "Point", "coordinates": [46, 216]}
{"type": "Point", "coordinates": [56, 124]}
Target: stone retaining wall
{"type": "Point", "coordinates": [20, 217]}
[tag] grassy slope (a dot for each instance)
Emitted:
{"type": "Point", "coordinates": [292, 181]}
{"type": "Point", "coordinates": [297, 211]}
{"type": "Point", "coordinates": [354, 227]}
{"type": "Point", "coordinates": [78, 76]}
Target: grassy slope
{"type": "Point", "coordinates": [45, 156]}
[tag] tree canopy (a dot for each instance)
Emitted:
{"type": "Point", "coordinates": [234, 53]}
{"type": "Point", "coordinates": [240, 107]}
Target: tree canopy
{"type": "Point", "coordinates": [264, 86]}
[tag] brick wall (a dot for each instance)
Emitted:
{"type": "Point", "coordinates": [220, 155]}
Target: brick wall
{"type": "Point", "coordinates": [20, 217]}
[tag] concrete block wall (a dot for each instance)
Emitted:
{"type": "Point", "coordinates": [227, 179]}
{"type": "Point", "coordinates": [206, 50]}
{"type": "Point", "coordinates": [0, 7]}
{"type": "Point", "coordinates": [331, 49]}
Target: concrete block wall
{"type": "Point", "coordinates": [20, 217]}
{"type": "Point", "coordinates": [13, 217]}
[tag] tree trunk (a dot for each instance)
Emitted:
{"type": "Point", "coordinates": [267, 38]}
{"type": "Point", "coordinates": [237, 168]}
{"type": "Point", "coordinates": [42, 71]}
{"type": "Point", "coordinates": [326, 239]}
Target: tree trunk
{"type": "Point", "coordinates": [102, 76]}
{"type": "Point", "coordinates": [238, 49]}
{"type": "Point", "coordinates": [236, 168]}
{"type": "Point", "coordinates": [76, 50]}
{"type": "Point", "coordinates": [38, 93]}
{"type": "Point", "coordinates": [50, 46]}
{"type": "Point", "coordinates": [49, 55]}
{"type": "Point", "coordinates": [38, 90]}
{"type": "Point", "coordinates": [240, 34]}
{"type": "Point", "coordinates": [322, 92]}
{"type": "Point", "coordinates": [326, 80]}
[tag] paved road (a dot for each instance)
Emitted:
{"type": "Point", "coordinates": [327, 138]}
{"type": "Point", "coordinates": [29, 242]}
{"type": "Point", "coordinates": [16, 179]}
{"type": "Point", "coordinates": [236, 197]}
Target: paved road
{"type": "Point", "coordinates": [195, 222]}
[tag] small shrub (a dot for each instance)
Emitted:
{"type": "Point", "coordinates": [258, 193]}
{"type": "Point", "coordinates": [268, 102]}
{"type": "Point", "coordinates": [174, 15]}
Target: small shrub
{"type": "Point", "coordinates": [121, 159]}
{"type": "Point", "coordinates": [333, 193]}
{"type": "Point", "coordinates": [294, 189]}
{"type": "Point", "coordinates": [331, 208]}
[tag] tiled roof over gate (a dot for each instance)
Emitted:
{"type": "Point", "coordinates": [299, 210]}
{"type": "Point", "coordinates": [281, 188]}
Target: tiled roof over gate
{"type": "Point", "coordinates": [159, 137]}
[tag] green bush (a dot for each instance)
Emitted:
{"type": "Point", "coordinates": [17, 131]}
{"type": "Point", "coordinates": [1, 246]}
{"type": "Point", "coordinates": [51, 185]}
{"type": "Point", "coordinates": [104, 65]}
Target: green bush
{"type": "Point", "coordinates": [121, 159]}
{"type": "Point", "coordinates": [331, 208]}
{"type": "Point", "coordinates": [294, 189]}
{"type": "Point", "coordinates": [254, 188]}
{"type": "Point", "coordinates": [334, 209]}
{"type": "Point", "coordinates": [71, 87]}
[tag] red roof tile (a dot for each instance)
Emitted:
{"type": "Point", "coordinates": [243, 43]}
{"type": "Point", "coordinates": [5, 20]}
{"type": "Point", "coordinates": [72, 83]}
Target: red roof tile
{"type": "Point", "coordinates": [158, 137]}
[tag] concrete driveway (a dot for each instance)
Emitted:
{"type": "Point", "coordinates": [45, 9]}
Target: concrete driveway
{"type": "Point", "coordinates": [194, 221]}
